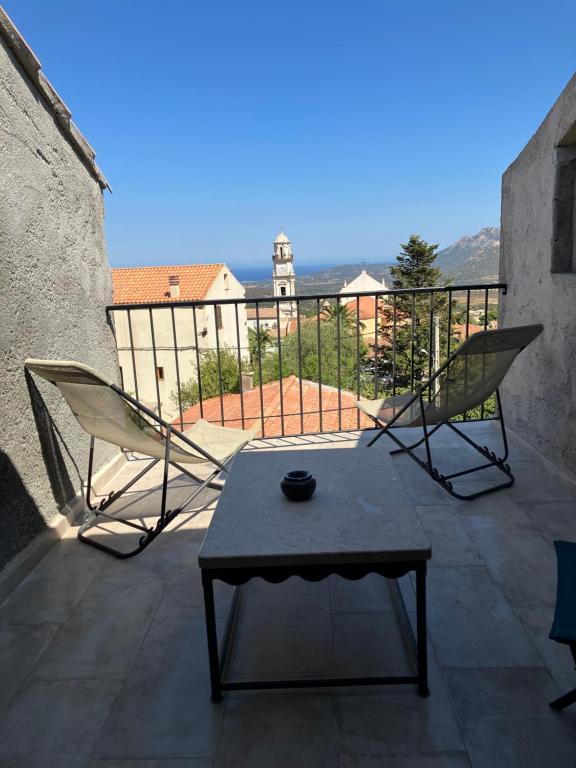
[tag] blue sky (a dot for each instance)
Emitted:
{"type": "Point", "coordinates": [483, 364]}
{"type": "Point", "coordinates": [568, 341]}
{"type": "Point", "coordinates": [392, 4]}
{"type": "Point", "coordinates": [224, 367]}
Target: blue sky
{"type": "Point", "coordinates": [352, 124]}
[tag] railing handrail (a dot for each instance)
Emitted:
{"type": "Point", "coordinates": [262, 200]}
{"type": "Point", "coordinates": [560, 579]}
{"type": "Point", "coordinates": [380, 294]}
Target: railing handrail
{"type": "Point", "coordinates": [312, 297]}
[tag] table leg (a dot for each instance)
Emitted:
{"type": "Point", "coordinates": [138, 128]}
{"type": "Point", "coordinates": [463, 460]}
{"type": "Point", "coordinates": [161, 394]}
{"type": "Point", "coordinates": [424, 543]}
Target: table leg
{"type": "Point", "coordinates": [212, 636]}
{"type": "Point", "coordinates": [421, 631]}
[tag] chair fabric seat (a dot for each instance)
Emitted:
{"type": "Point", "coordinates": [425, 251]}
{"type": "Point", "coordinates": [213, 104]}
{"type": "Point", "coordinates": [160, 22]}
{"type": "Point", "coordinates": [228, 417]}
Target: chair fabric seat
{"type": "Point", "coordinates": [564, 624]}
{"type": "Point", "coordinates": [386, 410]}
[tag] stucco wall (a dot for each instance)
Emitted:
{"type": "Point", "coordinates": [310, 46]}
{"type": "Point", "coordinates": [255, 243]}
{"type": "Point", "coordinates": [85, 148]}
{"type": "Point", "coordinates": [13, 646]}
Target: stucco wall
{"type": "Point", "coordinates": [540, 391]}
{"type": "Point", "coordinates": [54, 285]}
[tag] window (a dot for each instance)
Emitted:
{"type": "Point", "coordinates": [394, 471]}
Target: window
{"type": "Point", "coordinates": [121, 377]}
{"type": "Point", "coordinates": [564, 205]}
{"type": "Point", "coordinates": [219, 317]}
{"type": "Point", "coordinates": [159, 374]}
{"type": "Point", "coordinates": [282, 290]}
{"type": "Point", "coordinates": [226, 282]}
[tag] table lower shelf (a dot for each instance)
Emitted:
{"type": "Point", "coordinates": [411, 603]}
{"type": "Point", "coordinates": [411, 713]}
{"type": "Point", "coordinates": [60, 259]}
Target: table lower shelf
{"type": "Point", "coordinates": [219, 659]}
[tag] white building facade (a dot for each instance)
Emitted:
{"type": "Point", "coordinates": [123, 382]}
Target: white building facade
{"type": "Point", "coordinates": [159, 348]}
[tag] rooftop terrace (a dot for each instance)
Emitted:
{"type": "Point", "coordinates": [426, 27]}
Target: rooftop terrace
{"type": "Point", "coordinates": [104, 661]}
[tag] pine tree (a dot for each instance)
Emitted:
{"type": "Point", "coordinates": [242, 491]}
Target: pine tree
{"type": "Point", "coordinates": [415, 269]}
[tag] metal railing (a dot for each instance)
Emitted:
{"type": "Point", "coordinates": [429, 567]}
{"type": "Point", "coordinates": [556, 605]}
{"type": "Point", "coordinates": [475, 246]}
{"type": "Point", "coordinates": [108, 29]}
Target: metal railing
{"type": "Point", "coordinates": [293, 365]}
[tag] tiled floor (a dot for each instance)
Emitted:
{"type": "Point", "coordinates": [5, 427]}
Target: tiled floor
{"type": "Point", "coordinates": [104, 661]}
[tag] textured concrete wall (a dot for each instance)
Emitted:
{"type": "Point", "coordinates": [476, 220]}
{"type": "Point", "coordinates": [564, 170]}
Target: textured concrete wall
{"type": "Point", "coordinates": [54, 284]}
{"type": "Point", "coordinates": [540, 391]}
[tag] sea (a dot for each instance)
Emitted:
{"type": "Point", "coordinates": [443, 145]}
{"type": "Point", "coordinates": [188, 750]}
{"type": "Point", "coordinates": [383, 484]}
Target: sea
{"type": "Point", "coordinates": [249, 274]}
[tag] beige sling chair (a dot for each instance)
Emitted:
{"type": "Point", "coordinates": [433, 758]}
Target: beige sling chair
{"type": "Point", "coordinates": [465, 381]}
{"type": "Point", "coordinates": [108, 413]}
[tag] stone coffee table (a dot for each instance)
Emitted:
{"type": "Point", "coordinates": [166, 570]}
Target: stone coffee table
{"type": "Point", "coordinates": [359, 521]}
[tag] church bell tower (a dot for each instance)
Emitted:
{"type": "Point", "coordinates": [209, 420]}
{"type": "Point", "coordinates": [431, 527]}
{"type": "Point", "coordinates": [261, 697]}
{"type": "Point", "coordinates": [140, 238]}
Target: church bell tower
{"type": "Point", "coordinates": [283, 275]}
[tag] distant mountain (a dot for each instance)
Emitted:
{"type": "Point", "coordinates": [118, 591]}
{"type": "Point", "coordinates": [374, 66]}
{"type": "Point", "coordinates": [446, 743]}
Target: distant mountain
{"type": "Point", "coordinates": [472, 259]}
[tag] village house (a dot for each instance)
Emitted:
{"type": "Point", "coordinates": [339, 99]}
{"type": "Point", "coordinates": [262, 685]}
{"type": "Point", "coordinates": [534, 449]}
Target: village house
{"type": "Point", "coordinates": [160, 347]}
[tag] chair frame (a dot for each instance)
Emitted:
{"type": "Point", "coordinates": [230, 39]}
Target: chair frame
{"type": "Point", "coordinates": [497, 462]}
{"type": "Point", "coordinates": [166, 515]}
{"type": "Point", "coordinates": [568, 698]}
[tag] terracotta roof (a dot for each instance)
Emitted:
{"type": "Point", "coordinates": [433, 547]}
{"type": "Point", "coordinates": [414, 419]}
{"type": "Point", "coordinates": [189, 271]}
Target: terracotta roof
{"type": "Point", "coordinates": [144, 285]}
{"type": "Point", "coordinates": [264, 313]}
{"type": "Point", "coordinates": [366, 307]}
{"type": "Point", "coordinates": [211, 409]}
{"type": "Point", "coordinates": [460, 329]}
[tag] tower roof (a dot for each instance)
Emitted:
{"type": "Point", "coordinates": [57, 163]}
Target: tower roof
{"type": "Point", "coordinates": [281, 238]}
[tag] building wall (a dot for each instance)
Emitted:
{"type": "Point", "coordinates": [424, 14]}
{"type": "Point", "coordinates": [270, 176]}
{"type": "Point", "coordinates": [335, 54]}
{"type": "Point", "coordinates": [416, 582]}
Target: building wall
{"type": "Point", "coordinates": [146, 385]}
{"type": "Point", "coordinates": [54, 285]}
{"type": "Point", "coordinates": [540, 390]}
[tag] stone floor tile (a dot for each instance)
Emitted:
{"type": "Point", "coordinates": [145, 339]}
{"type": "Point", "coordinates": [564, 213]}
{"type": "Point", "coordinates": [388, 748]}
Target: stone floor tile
{"type": "Point", "coordinates": [283, 629]}
{"type": "Point", "coordinates": [278, 731]}
{"type": "Point", "coordinates": [533, 484]}
{"type": "Point", "coordinates": [556, 656]}
{"type": "Point", "coordinates": [554, 519]}
{"type": "Point", "coordinates": [371, 644]}
{"type": "Point", "coordinates": [184, 595]}
{"type": "Point", "coordinates": [190, 762]}
{"type": "Point", "coordinates": [20, 648]}
{"type": "Point", "coordinates": [523, 742]}
{"type": "Point", "coordinates": [450, 543]}
{"type": "Point", "coordinates": [519, 692]}
{"type": "Point", "coordinates": [50, 593]}
{"type": "Point", "coordinates": [519, 558]}
{"type": "Point", "coordinates": [102, 636]}
{"type": "Point", "coordinates": [459, 760]}
{"type": "Point", "coordinates": [164, 710]}
{"type": "Point", "coordinates": [398, 723]}
{"type": "Point", "coordinates": [420, 487]}
{"type": "Point", "coordinates": [373, 593]}
{"type": "Point", "coordinates": [471, 624]}
{"type": "Point", "coordinates": [55, 723]}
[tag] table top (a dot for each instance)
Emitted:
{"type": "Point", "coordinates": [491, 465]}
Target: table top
{"type": "Point", "coordinates": [360, 512]}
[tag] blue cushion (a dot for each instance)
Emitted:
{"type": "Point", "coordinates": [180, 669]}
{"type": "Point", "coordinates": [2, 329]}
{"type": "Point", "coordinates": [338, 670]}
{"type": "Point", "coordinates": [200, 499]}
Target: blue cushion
{"type": "Point", "coordinates": [564, 624]}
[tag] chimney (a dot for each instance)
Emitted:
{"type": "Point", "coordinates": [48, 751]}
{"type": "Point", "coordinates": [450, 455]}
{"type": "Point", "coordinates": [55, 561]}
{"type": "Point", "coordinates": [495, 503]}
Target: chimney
{"type": "Point", "coordinates": [174, 283]}
{"type": "Point", "coordinates": [247, 381]}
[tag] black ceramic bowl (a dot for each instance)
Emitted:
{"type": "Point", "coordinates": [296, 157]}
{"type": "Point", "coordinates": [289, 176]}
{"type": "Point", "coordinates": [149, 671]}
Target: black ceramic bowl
{"type": "Point", "coordinates": [298, 485]}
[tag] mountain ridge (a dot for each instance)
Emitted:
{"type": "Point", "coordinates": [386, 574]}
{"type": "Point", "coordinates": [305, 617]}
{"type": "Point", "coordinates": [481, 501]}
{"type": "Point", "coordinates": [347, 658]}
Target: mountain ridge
{"type": "Point", "coordinates": [471, 259]}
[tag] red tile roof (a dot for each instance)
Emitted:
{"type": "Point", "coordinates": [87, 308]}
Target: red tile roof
{"type": "Point", "coordinates": [264, 313]}
{"type": "Point", "coordinates": [211, 409]}
{"type": "Point", "coordinates": [144, 285]}
{"type": "Point", "coordinates": [366, 307]}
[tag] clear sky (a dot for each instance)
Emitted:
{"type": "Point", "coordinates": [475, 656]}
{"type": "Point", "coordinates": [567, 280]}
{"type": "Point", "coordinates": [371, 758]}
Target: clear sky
{"type": "Point", "coordinates": [352, 123]}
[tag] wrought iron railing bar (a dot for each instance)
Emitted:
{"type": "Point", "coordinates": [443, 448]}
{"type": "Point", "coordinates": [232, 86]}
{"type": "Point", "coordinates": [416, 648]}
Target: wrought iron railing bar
{"type": "Point", "coordinates": [300, 365]}
{"type": "Point", "coordinates": [375, 347]}
{"type": "Point", "coordinates": [259, 353]}
{"type": "Point", "coordinates": [313, 297]}
{"type": "Point", "coordinates": [449, 339]}
{"type": "Point", "coordinates": [394, 307]}
{"type": "Point", "coordinates": [319, 359]}
{"type": "Point", "coordinates": [133, 355]}
{"type": "Point", "coordinates": [198, 371]}
{"type": "Point", "coordinates": [430, 342]}
{"type": "Point", "coordinates": [178, 386]}
{"type": "Point", "coordinates": [280, 366]}
{"type": "Point", "coordinates": [219, 363]}
{"type": "Point", "coordinates": [155, 363]}
{"type": "Point", "coordinates": [239, 352]}
{"type": "Point", "coordinates": [357, 357]}
{"type": "Point", "coordinates": [412, 342]}
{"type": "Point", "coordinates": [465, 414]}
{"type": "Point", "coordinates": [338, 363]}
{"type": "Point", "coordinates": [484, 356]}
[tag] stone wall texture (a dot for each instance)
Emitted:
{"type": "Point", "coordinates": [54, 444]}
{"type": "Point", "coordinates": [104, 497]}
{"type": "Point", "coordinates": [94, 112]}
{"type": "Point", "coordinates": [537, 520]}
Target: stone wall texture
{"type": "Point", "coordinates": [540, 391]}
{"type": "Point", "coordinates": [55, 283]}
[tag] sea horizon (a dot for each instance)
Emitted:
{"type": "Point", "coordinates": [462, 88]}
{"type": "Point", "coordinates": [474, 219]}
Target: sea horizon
{"type": "Point", "coordinates": [254, 273]}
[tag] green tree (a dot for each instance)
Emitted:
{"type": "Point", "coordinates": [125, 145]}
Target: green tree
{"type": "Point", "coordinates": [414, 333]}
{"type": "Point", "coordinates": [343, 313]}
{"type": "Point", "coordinates": [317, 362]}
{"type": "Point", "coordinates": [261, 339]}
{"type": "Point", "coordinates": [210, 380]}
